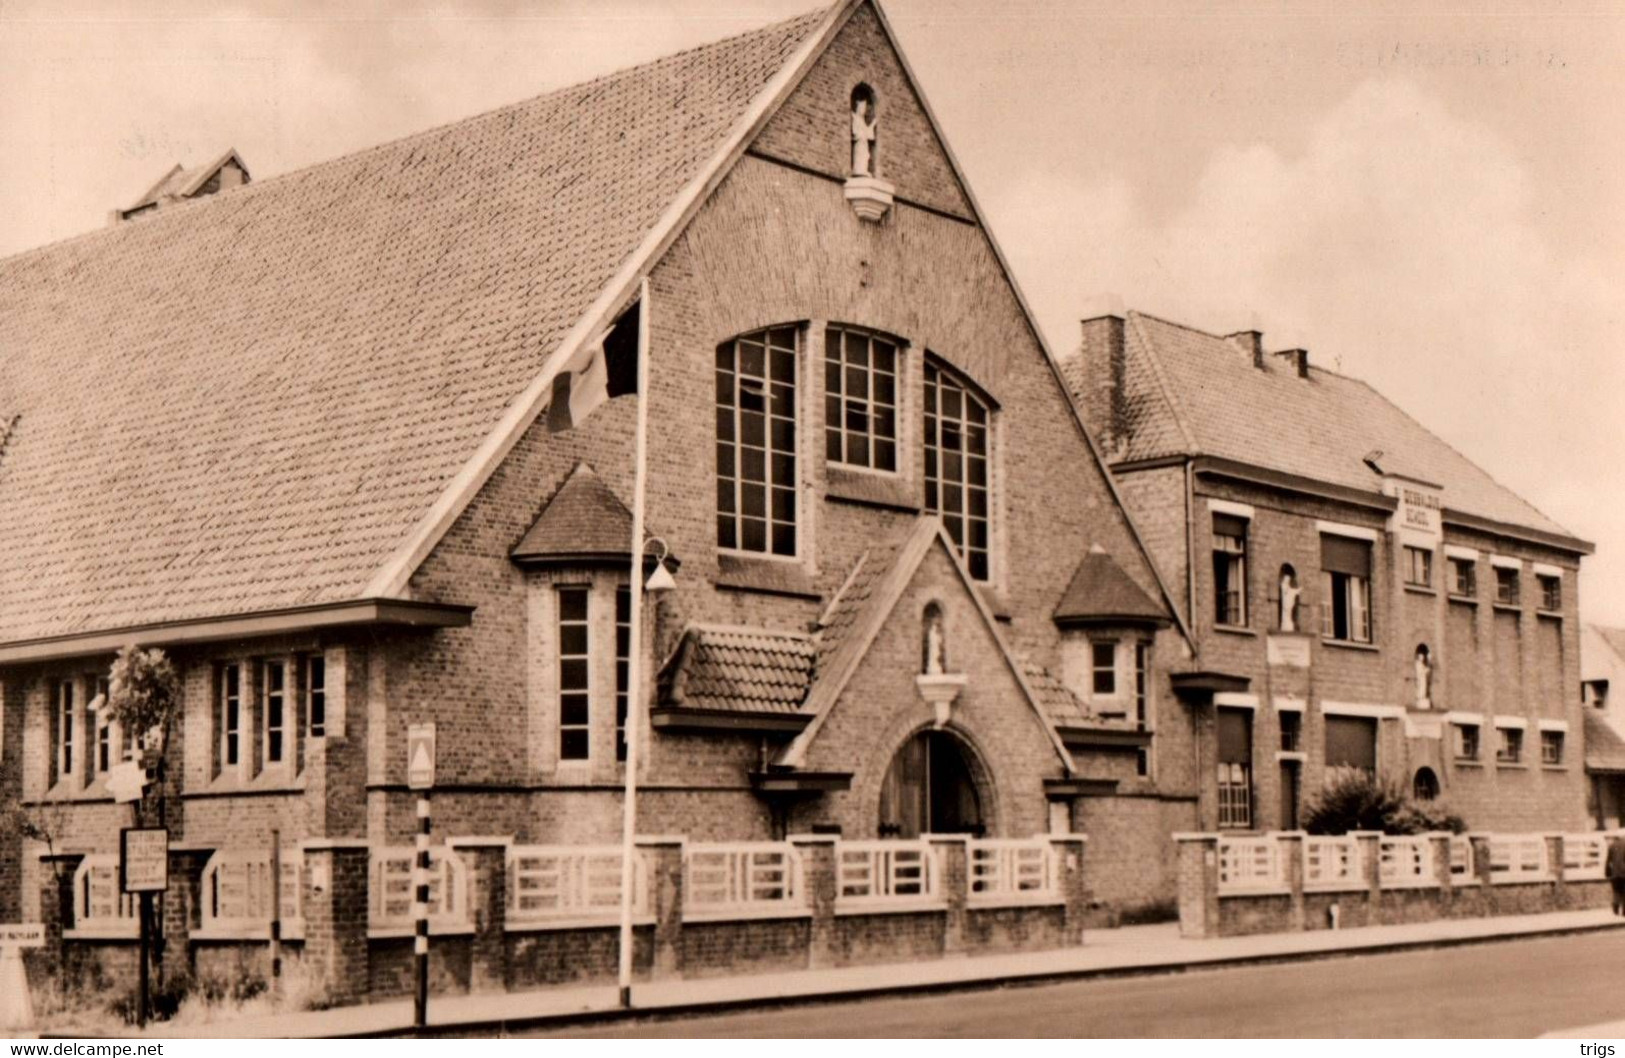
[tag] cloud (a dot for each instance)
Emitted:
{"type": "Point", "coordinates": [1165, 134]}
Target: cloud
{"type": "Point", "coordinates": [1401, 242]}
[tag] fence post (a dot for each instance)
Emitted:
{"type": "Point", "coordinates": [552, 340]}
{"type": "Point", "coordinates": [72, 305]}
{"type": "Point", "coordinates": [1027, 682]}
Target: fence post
{"type": "Point", "coordinates": [183, 907]}
{"type": "Point", "coordinates": [487, 861]}
{"type": "Point", "coordinates": [953, 861]}
{"type": "Point", "coordinates": [1069, 852]}
{"type": "Point", "coordinates": [1439, 842]}
{"type": "Point", "coordinates": [1555, 853]}
{"type": "Point", "coordinates": [1371, 861]}
{"type": "Point", "coordinates": [1198, 884]}
{"type": "Point", "coordinates": [819, 874]}
{"type": "Point", "coordinates": [663, 860]}
{"type": "Point", "coordinates": [336, 913]}
{"type": "Point", "coordinates": [1289, 849]}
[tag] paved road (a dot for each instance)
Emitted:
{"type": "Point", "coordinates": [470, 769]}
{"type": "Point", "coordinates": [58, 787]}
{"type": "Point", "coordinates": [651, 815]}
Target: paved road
{"type": "Point", "coordinates": [1513, 988]}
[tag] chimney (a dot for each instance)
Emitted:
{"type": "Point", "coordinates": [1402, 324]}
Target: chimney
{"type": "Point", "coordinates": [1298, 358]}
{"type": "Point", "coordinates": [1249, 342]}
{"type": "Point", "coordinates": [1097, 379]}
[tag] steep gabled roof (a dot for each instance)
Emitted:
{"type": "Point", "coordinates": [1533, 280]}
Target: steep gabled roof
{"type": "Point", "coordinates": [279, 397]}
{"type": "Point", "coordinates": [1605, 746]}
{"type": "Point", "coordinates": [1193, 393]}
{"type": "Point", "coordinates": [584, 520]}
{"type": "Point", "coordinates": [865, 604]}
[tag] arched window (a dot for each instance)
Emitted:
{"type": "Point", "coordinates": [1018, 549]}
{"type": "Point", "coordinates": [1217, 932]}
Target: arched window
{"type": "Point", "coordinates": [957, 449]}
{"type": "Point", "coordinates": [860, 399]}
{"type": "Point", "coordinates": [1426, 785]}
{"type": "Point", "coordinates": [756, 443]}
{"type": "Point", "coordinates": [930, 788]}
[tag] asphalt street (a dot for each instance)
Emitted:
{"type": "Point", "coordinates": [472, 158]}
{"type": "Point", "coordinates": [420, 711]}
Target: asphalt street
{"type": "Point", "coordinates": [1505, 989]}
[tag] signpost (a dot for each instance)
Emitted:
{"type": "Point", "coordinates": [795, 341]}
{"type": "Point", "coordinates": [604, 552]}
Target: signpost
{"type": "Point", "coordinates": [16, 1005]}
{"type": "Point", "coordinates": [143, 869]}
{"type": "Point", "coordinates": [420, 756]}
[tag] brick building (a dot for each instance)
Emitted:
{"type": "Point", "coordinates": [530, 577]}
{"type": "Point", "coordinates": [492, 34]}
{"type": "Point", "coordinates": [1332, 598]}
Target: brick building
{"type": "Point", "coordinates": [296, 432]}
{"type": "Point", "coordinates": [1602, 676]}
{"type": "Point", "coordinates": [1360, 593]}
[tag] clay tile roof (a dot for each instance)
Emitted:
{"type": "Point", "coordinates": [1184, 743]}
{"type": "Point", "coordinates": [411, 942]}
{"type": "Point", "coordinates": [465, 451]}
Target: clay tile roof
{"type": "Point", "coordinates": [1101, 591]}
{"type": "Point", "coordinates": [1605, 747]}
{"type": "Point", "coordinates": [583, 520]}
{"type": "Point", "coordinates": [1189, 392]}
{"type": "Point", "coordinates": [248, 402]}
{"type": "Point", "coordinates": [1060, 704]}
{"type": "Point", "coordinates": [748, 670]}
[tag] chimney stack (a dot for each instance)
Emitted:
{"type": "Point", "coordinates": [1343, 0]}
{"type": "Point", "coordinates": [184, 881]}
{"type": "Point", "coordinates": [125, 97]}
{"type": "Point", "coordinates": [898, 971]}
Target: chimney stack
{"type": "Point", "coordinates": [1249, 342]}
{"type": "Point", "coordinates": [1096, 377]}
{"type": "Point", "coordinates": [1298, 358]}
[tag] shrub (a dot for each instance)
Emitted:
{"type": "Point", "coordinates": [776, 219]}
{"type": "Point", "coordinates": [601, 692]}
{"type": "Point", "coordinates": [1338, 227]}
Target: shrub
{"type": "Point", "coordinates": [1353, 799]}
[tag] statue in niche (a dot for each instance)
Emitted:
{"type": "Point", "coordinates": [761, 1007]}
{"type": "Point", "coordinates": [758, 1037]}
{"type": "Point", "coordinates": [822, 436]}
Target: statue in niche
{"type": "Point", "coordinates": [934, 665]}
{"type": "Point", "coordinates": [1289, 599]}
{"type": "Point", "coordinates": [864, 121]}
{"type": "Point", "coordinates": [1424, 678]}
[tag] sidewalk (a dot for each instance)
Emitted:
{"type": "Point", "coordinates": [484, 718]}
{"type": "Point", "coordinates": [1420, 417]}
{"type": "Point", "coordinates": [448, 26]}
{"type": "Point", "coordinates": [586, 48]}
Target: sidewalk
{"type": "Point", "coordinates": [1130, 950]}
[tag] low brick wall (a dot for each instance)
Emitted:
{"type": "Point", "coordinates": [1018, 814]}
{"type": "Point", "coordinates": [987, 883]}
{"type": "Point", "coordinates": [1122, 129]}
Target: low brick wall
{"type": "Point", "coordinates": [1236, 885]}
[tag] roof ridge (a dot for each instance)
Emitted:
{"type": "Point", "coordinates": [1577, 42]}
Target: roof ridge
{"type": "Point", "coordinates": [1168, 391]}
{"type": "Point", "coordinates": [727, 629]}
{"type": "Point", "coordinates": [259, 184]}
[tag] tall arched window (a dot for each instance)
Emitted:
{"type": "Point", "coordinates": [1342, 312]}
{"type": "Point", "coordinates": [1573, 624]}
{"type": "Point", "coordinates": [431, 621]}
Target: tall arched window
{"type": "Point", "coordinates": [957, 446]}
{"type": "Point", "coordinates": [756, 443]}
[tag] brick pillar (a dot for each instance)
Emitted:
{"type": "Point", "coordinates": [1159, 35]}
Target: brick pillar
{"type": "Point", "coordinates": [487, 862]}
{"type": "Point", "coordinates": [183, 907]}
{"type": "Point", "coordinates": [663, 859]}
{"type": "Point", "coordinates": [336, 919]}
{"type": "Point", "coordinates": [1069, 850]}
{"type": "Point", "coordinates": [954, 886]}
{"type": "Point", "coordinates": [56, 908]}
{"type": "Point", "coordinates": [1369, 857]}
{"type": "Point", "coordinates": [1440, 843]}
{"type": "Point", "coordinates": [1289, 849]}
{"type": "Point", "coordinates": [818, 875]}
{"type": "Point", "coordinates": [1482, 873]}
{"type": "Point", "coordinates": [1198, 884]}
{"type": "Point", "coordinates": [1554, 856]}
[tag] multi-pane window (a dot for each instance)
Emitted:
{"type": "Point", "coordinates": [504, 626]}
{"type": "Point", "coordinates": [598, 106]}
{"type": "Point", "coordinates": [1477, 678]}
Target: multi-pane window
{"type": "Point", "coordinates": [1229, 570]}
{"type": "Point", "coordinates": [574, 695]}
{"type": "Point", "coordinates": [1551, 747]}
{"type": "Point", "coordinates": [1419, 567]}
{"type": "Point", "coordinates": [106, 737]}
{"type": "Point", "coordinates": [276, 711]}
{"type": "Point", "coordinates": [229, 714]}
{"type": "Point", "coordinates": [1510, 750]}
{"type": "Point", "coordinates": [1551, 593]}
{"type": "Point", "coordinates": [1142, 677]}
{"type": "Point", "coordinates": [1506, 586]}
{"type": "Point", "coordinates": [316, 694]}
{"type": "Point", "coordinates": [623, 666]}
{"type": "Point", "coordinates": [1103, 667]}
{"type": "Point", "coordinates": [1235, 771]}
{"type": "Point", "coordinates": [1463, 577]}
{"type": "Point", "coordinates": [956, 465]}
{"type": "Point", "coordinates": [756, 443]}
{"type": "Point", "coordinates": [1345, 565]}
{"type": "Point", "coordinates": [67, 702]}
{"type": "Point", "coordinates": [1466, 741]}
{"type": "Point", "coordinates": [860, 400]}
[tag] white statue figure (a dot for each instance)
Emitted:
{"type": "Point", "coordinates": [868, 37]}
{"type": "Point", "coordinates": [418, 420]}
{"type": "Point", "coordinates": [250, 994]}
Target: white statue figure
{"type": "Point", "coordinates": [1289, 601]}
{"type": "Point", "coordinates": [933, 644]}
{"type": "Point", "coordinates": [863, 135]}
{"type": "Point", "coordinates": [1424, 679]}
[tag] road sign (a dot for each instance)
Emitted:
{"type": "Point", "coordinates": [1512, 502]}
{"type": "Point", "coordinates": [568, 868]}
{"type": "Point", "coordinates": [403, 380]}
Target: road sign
{"type": "Point", "coordinates": [126, 781]}
{"type": "Point", "coordinates": [420, 756]}
{"type": "Point", "coordinates": [22, 934]}
{"type": "Point", "coordinates": [143, 859]}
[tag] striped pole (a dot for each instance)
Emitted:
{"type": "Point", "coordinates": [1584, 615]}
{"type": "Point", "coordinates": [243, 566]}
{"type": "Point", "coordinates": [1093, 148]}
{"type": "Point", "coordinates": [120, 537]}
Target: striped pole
{"type": "Point", "coordinates": [420, 916]}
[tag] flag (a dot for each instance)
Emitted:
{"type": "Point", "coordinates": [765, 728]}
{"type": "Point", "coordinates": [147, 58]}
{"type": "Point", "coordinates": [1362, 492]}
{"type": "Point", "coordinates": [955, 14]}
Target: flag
{"type": "Point", "coordinates": [603, 368]}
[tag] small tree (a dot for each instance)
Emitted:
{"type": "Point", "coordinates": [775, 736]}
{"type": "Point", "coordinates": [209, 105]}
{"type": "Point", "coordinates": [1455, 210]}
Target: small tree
{"type": "Point", "coordinates": [1354, 799]}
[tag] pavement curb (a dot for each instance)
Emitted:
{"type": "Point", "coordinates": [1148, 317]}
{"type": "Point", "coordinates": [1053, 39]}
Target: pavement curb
{"type": "Point", "coordinates": [675, 1011]}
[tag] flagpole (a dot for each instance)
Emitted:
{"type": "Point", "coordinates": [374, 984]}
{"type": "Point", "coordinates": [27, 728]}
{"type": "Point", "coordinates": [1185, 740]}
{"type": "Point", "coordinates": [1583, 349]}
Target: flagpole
{"type": "Point", "coordinates": [634, 667]}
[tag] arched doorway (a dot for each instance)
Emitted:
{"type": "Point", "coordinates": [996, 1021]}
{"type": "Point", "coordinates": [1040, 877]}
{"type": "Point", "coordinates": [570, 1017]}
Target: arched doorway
{"type": "Point", "coordinates": [1426, 785]}
{"type": "Point", "coordinates": [930, 788]}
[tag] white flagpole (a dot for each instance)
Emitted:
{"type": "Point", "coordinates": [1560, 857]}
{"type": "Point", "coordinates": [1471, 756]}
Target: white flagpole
{"type": "Point", "coordinates": [634, 667]}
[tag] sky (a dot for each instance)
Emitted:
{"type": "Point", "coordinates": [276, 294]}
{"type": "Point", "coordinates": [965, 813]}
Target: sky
{"type": "Point", "coordinates": [1425, 195]}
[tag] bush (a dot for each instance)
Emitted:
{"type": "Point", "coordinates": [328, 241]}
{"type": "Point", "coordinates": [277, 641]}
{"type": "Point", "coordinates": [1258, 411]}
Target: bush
{"type": "Point", "coordinates": [1353, 799]}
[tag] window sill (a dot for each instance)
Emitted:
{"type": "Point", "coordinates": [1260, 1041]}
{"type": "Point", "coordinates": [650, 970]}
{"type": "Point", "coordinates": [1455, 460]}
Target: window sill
{"type": "Point", "coordinates": [1554, 767]}
{"type": "Point", "coordinates": [1508, 607]}
{"type": "Point", "coordinates": [870, 488]}
{"type": "Point", "coordinates": [1421, 589]}
{"type": "Point", "coordinates": [768, 576]}
{"type": "Point", "coordinates": [1465, 600]}
{"type": "Point", "coordinates": [1465, 762]}
{"type": "Point", "coordinates": [1235, 630]}
{"type": "Point", "coordinates": [263, 783]}
{"type": "Point", "coordinates": [65, 792]}
{"type": "Point", "coordinates": [1515, 764]}
{"type": "Point", "coordinates": [1550, 615]}
{"type": "Point", "coordinates": [1349, 644]}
